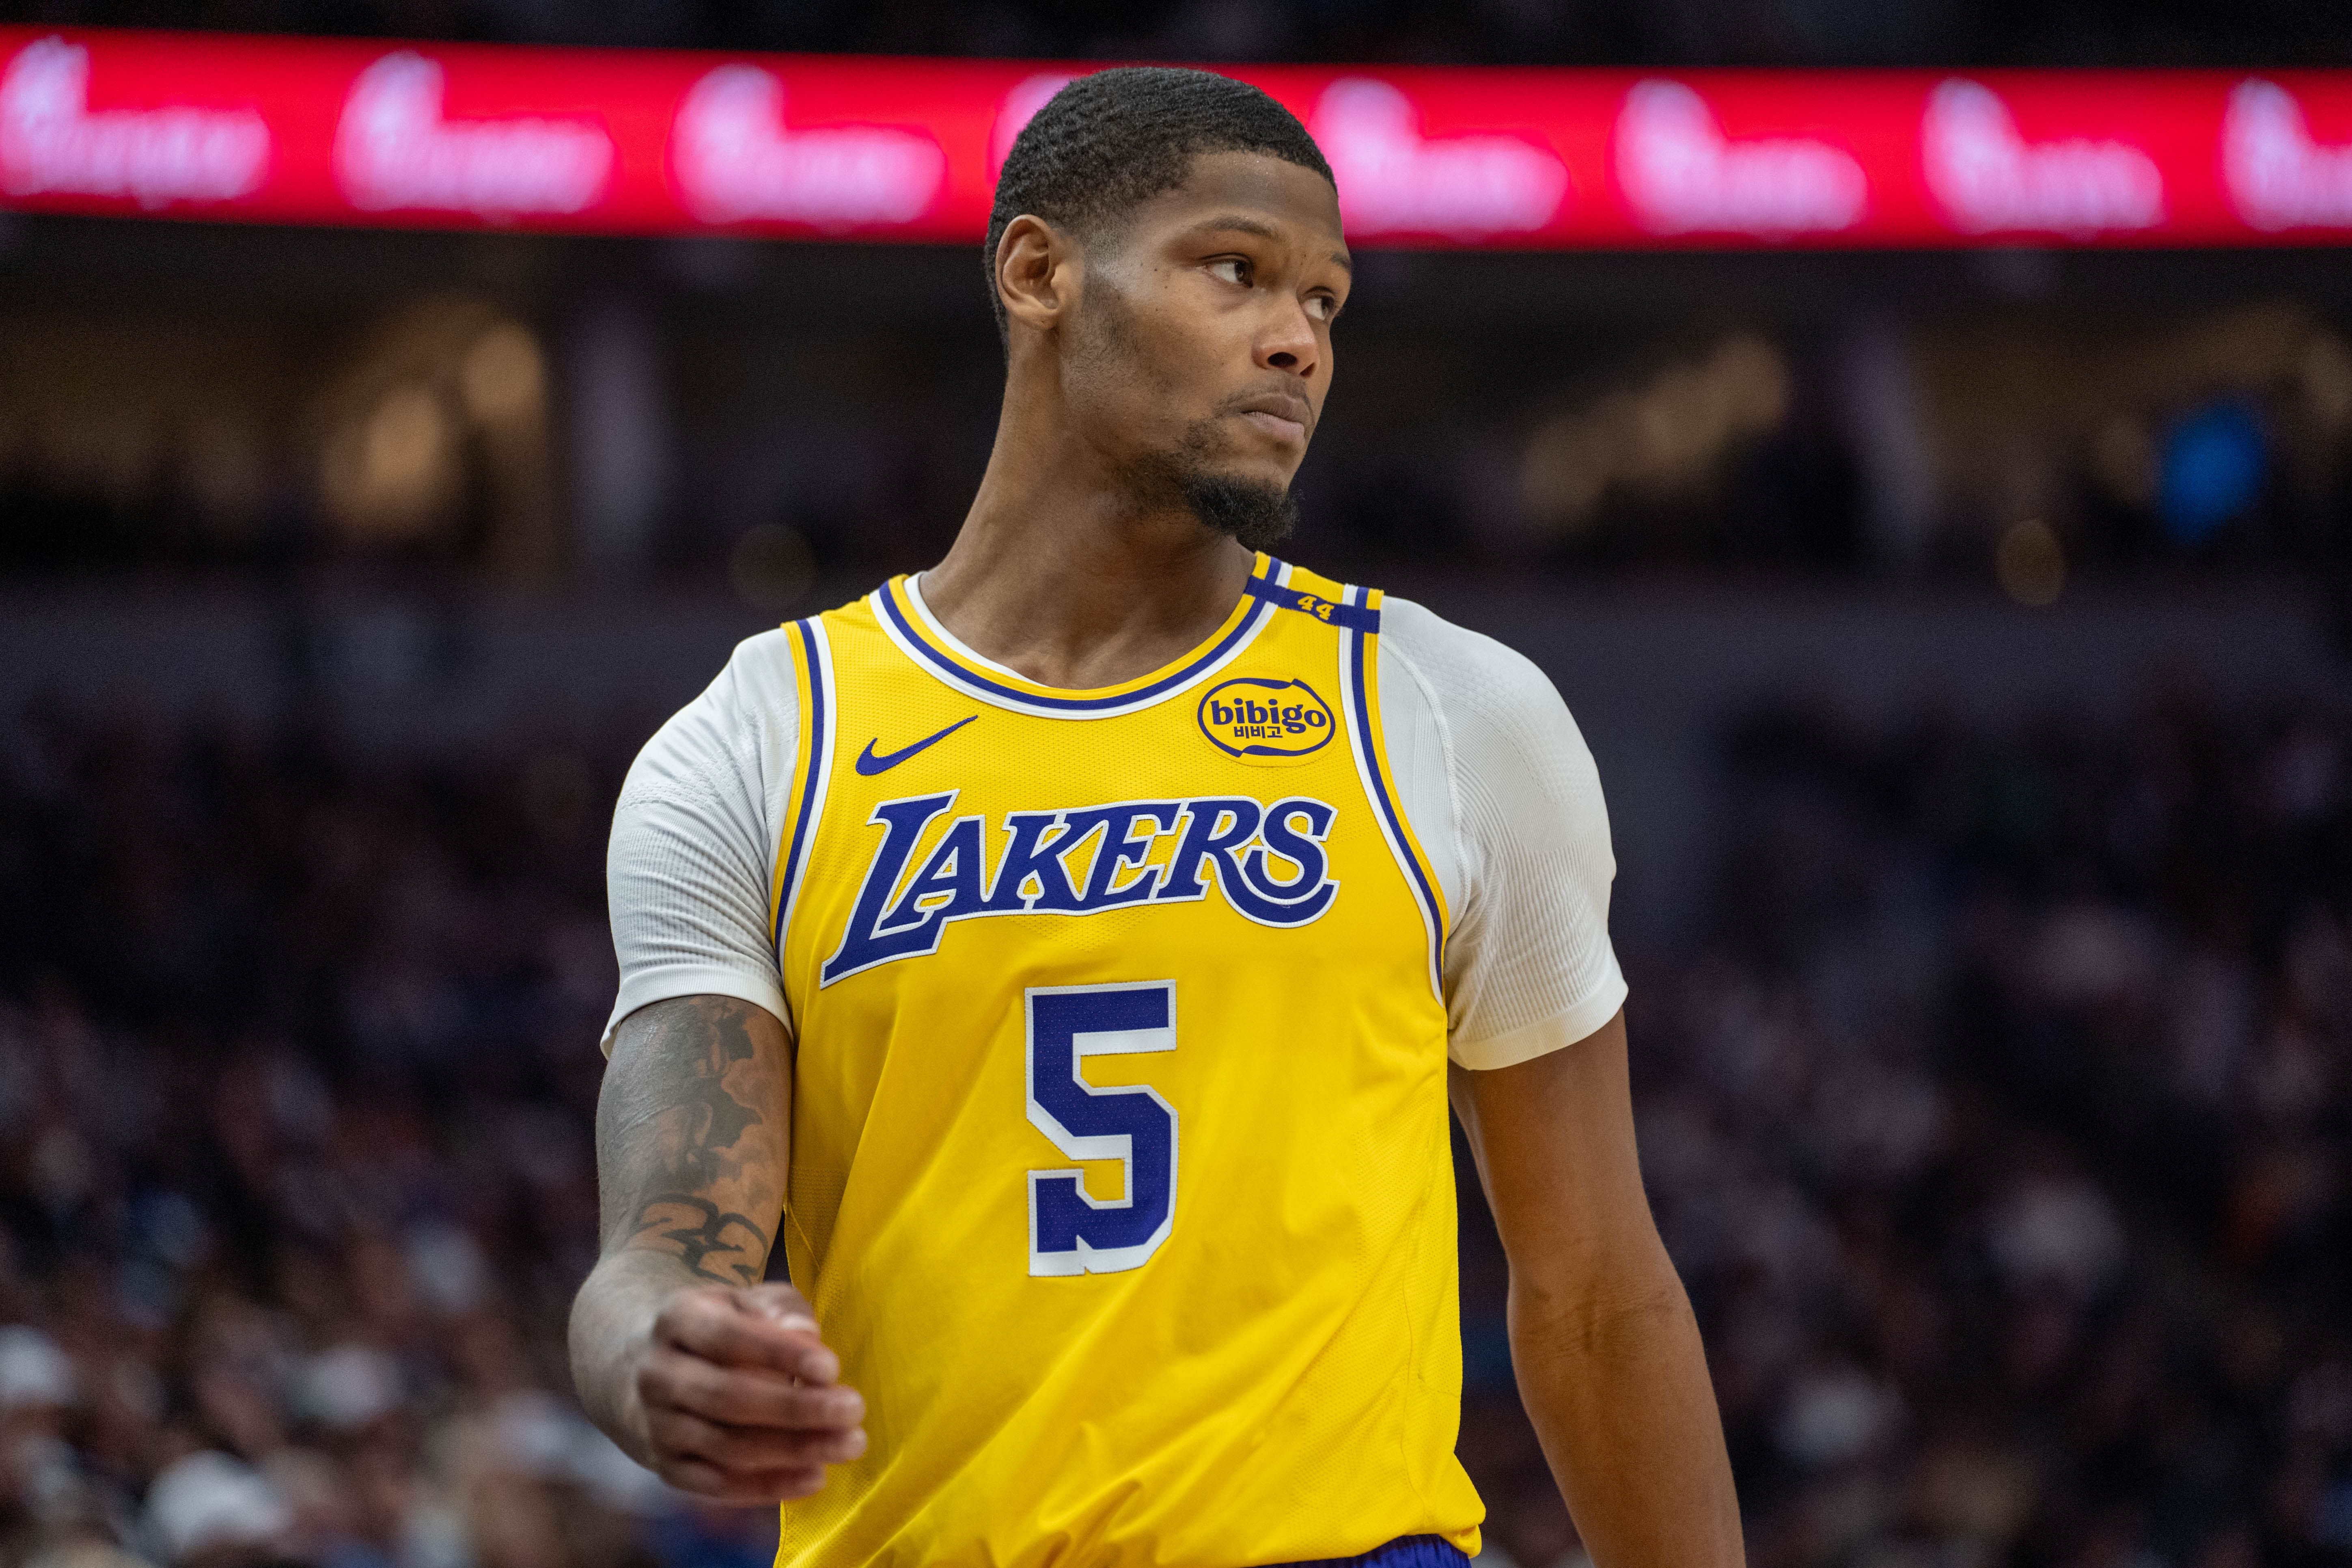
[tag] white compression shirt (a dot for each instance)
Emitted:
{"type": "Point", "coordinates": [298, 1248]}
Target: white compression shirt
{"type": "Point", "coordinates": [1493, 773]}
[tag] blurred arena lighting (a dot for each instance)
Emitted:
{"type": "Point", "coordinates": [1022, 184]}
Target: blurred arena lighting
{"type": "Point", "coordinates": [648, 142]}
{"type": "Point", "coordinates": [386, 473]}
{"type": "Point", "coordinates": [394, 149]}
{"type": "Point", "coordinates": [771, 567]}
{"type": "Point", "coordinates": [2178, 424]}
{"type": "Point", "coordinates": [1682, 174]}
{"type": "Point", "coordinates": [52, 140]}
{"type": "Point", "coordinates": [2030, 564]}
{"type": "Point", "coordinates": [2286, 177]}
{"type": "Point", "coordinates": [503, 377]}
{"type": "Point", "coordinates": [2213, 466]}
{"type": "Point", "coordinates": [736, 160]}
{"type": "Point", "coordinates": [1394, 179]}
{"type": "Point", "coordinates": [1989, 179]}
{"type": "Point", "coordinates": [1667, 436]}
{"type": "Point", "coordinates": [441, 407]}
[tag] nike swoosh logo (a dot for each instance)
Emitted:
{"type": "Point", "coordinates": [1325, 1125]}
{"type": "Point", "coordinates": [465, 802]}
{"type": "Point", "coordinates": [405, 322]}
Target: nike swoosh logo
{"type": "Point", "coordinates": [869, 765]}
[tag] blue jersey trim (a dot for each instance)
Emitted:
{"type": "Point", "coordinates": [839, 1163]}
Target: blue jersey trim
{"type": "Point", "coordinates": [817, 718]}
{"type": "Point", "coordinates": [1350, 617]}
{"type": "Point", "coordinates": [1376, 767]}
{"type": "Point", "coordinates": [1262, 588]}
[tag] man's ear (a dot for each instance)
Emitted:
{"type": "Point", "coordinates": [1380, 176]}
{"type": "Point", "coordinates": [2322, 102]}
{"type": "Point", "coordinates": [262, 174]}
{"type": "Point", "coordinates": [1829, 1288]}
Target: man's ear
{"type": "Point", "coordinates": [1038, 273]}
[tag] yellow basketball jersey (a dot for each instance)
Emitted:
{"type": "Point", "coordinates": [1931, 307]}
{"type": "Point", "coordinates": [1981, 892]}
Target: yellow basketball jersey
{"type": "Point", "coordinates": [1120, 1177]}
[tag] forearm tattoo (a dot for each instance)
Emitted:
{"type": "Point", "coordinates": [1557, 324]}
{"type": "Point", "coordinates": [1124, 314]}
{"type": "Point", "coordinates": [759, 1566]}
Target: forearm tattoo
{"type": "Point", "coordinates": [691, 1136]}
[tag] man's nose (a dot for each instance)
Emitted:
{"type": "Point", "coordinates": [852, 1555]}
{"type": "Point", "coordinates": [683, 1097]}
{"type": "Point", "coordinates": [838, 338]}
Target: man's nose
{"type": "Point", "coordinates": [1287, 341]}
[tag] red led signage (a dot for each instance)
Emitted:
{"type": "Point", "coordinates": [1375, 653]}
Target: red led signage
{"type": "Point", "coordinates": [611, 142]}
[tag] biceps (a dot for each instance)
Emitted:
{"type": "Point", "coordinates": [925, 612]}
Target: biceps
{"type": "Point", "coordinates": [1554, 1141]}
{"type": "Point", "coordinates": [692, 1134]}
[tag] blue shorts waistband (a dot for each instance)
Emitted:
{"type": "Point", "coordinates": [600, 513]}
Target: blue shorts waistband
{"type": "Point", "coordinates": [1405, 1551]}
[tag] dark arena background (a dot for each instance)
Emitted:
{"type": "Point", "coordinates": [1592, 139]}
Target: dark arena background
{"type": "Point", "coordinates": [1926, 474]}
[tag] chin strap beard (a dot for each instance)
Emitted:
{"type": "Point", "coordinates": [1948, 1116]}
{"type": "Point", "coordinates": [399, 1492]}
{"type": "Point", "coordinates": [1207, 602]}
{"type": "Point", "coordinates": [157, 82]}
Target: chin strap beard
{"type": "Point", "coordinates": [1258, 516]}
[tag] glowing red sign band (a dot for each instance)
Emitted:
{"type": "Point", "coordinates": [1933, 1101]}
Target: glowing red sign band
{"type": "Point", "coordinates": [319, 131]}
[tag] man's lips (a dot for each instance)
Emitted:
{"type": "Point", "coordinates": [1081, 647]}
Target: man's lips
{"type": "Point", "coordinates": [1280, 415]}
{"type": "Point", "coordinates": [1276, 426]}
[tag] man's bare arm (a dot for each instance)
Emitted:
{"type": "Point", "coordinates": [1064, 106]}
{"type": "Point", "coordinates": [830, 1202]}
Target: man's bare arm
{"type": "Point", "coordinates": [693, 1136]}
{"type": "Point", "coordinates": [1606, 1349]}
{"type": "Point", "coordinates": [715, 1381]}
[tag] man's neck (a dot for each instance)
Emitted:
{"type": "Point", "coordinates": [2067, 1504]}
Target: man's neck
{"type": "Point", "coordinates": [1061, 574]}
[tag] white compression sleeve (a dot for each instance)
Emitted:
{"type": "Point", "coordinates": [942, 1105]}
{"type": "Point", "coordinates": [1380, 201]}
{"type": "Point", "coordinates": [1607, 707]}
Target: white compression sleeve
{"type": "Point", "coordinates": [1504, 795]}
{"type": "Point", "coordinates": [692, 858]}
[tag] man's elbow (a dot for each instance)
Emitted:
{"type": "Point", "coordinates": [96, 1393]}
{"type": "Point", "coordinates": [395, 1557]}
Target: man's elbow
{"type": "Point", "coordinates": [1606, 1310]}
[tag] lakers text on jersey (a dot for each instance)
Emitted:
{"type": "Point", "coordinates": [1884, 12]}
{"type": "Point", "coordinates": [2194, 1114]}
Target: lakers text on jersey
{"type": "Point", "coordinates": [1120, 1177]}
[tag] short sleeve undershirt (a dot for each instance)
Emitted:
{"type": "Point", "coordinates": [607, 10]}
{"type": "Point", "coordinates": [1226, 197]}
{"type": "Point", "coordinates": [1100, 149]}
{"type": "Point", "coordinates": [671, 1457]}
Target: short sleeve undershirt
{"type": "Point", "coordinates": [1491, 770]}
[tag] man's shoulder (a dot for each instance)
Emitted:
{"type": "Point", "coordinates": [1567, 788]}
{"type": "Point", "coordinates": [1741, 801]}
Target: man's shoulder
{"type": "Point", "coordinates": [1457, 667]}
{"type": "Point", "coordinates": [759, 679]}
{"type": "Point", "coordinates": [751, 705]}
{"type": "Point", "coordinates": [763, 654]}
{"type": "Point", "coordinates": [1413, 628]}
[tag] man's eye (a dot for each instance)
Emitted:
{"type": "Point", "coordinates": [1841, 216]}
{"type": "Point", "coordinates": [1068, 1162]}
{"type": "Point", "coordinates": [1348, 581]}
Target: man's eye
{"type": "Point", "coordinates": [1233, 269]}
{"type": "Point", "coordinates": [1321, 307]}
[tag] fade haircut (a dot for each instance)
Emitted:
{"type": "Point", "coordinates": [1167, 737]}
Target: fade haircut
{"type": "Point", "coordinates": [1109, 142]}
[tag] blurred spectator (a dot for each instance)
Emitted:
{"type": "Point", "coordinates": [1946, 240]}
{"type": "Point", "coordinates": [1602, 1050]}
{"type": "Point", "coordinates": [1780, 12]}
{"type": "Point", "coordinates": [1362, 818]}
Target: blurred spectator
{"type": "Point", "coordinates": [2002, 1138]}
{"type": "Point", "coordinates": [296, 1066]}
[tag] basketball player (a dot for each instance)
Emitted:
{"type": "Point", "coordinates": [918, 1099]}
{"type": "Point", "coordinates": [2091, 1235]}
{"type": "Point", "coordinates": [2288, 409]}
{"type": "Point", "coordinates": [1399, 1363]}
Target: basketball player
{"type": "Point", "coordinates": [1070, 950]}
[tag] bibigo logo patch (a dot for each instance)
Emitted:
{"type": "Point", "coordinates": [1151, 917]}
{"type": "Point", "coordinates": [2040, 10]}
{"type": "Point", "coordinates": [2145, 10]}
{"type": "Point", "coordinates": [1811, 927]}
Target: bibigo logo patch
{"type": "Point", "coordinates": [1258, 716]}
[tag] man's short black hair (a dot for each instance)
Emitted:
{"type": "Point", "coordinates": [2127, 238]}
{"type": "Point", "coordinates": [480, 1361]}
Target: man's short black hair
{"type": "Point", "coordinates": [1108, 142]}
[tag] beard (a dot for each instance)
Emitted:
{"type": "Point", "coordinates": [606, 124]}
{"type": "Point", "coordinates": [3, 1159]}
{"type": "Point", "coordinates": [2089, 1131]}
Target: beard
{"type": "Point", "coordinates": [1257, 516]}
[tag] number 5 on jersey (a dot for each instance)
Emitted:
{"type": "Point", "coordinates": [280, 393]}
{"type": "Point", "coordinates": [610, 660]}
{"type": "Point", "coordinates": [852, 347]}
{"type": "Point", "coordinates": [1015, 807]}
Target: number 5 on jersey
{"type": "Point", "coordinates": [1071, 1231]}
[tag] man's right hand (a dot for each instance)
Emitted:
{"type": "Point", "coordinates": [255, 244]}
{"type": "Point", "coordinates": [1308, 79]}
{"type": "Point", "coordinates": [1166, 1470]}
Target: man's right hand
{"type": "Point", "coordinates": [734, 1398]}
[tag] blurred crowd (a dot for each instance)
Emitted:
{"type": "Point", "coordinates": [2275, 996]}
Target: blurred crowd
{"type": "Point", "coordinates": [297, 1071]}
{"type": "Point", "coordinates": [2000, 1132]}
{"type": "Point", "coordinates": [2004, 1138]}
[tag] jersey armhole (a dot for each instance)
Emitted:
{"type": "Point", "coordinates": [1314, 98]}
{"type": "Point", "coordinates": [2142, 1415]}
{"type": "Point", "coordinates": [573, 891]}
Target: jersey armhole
{"type": "Point", "coordinates": [812, 770]}
{"type": "Point", "coordinates": [1359, 689]}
